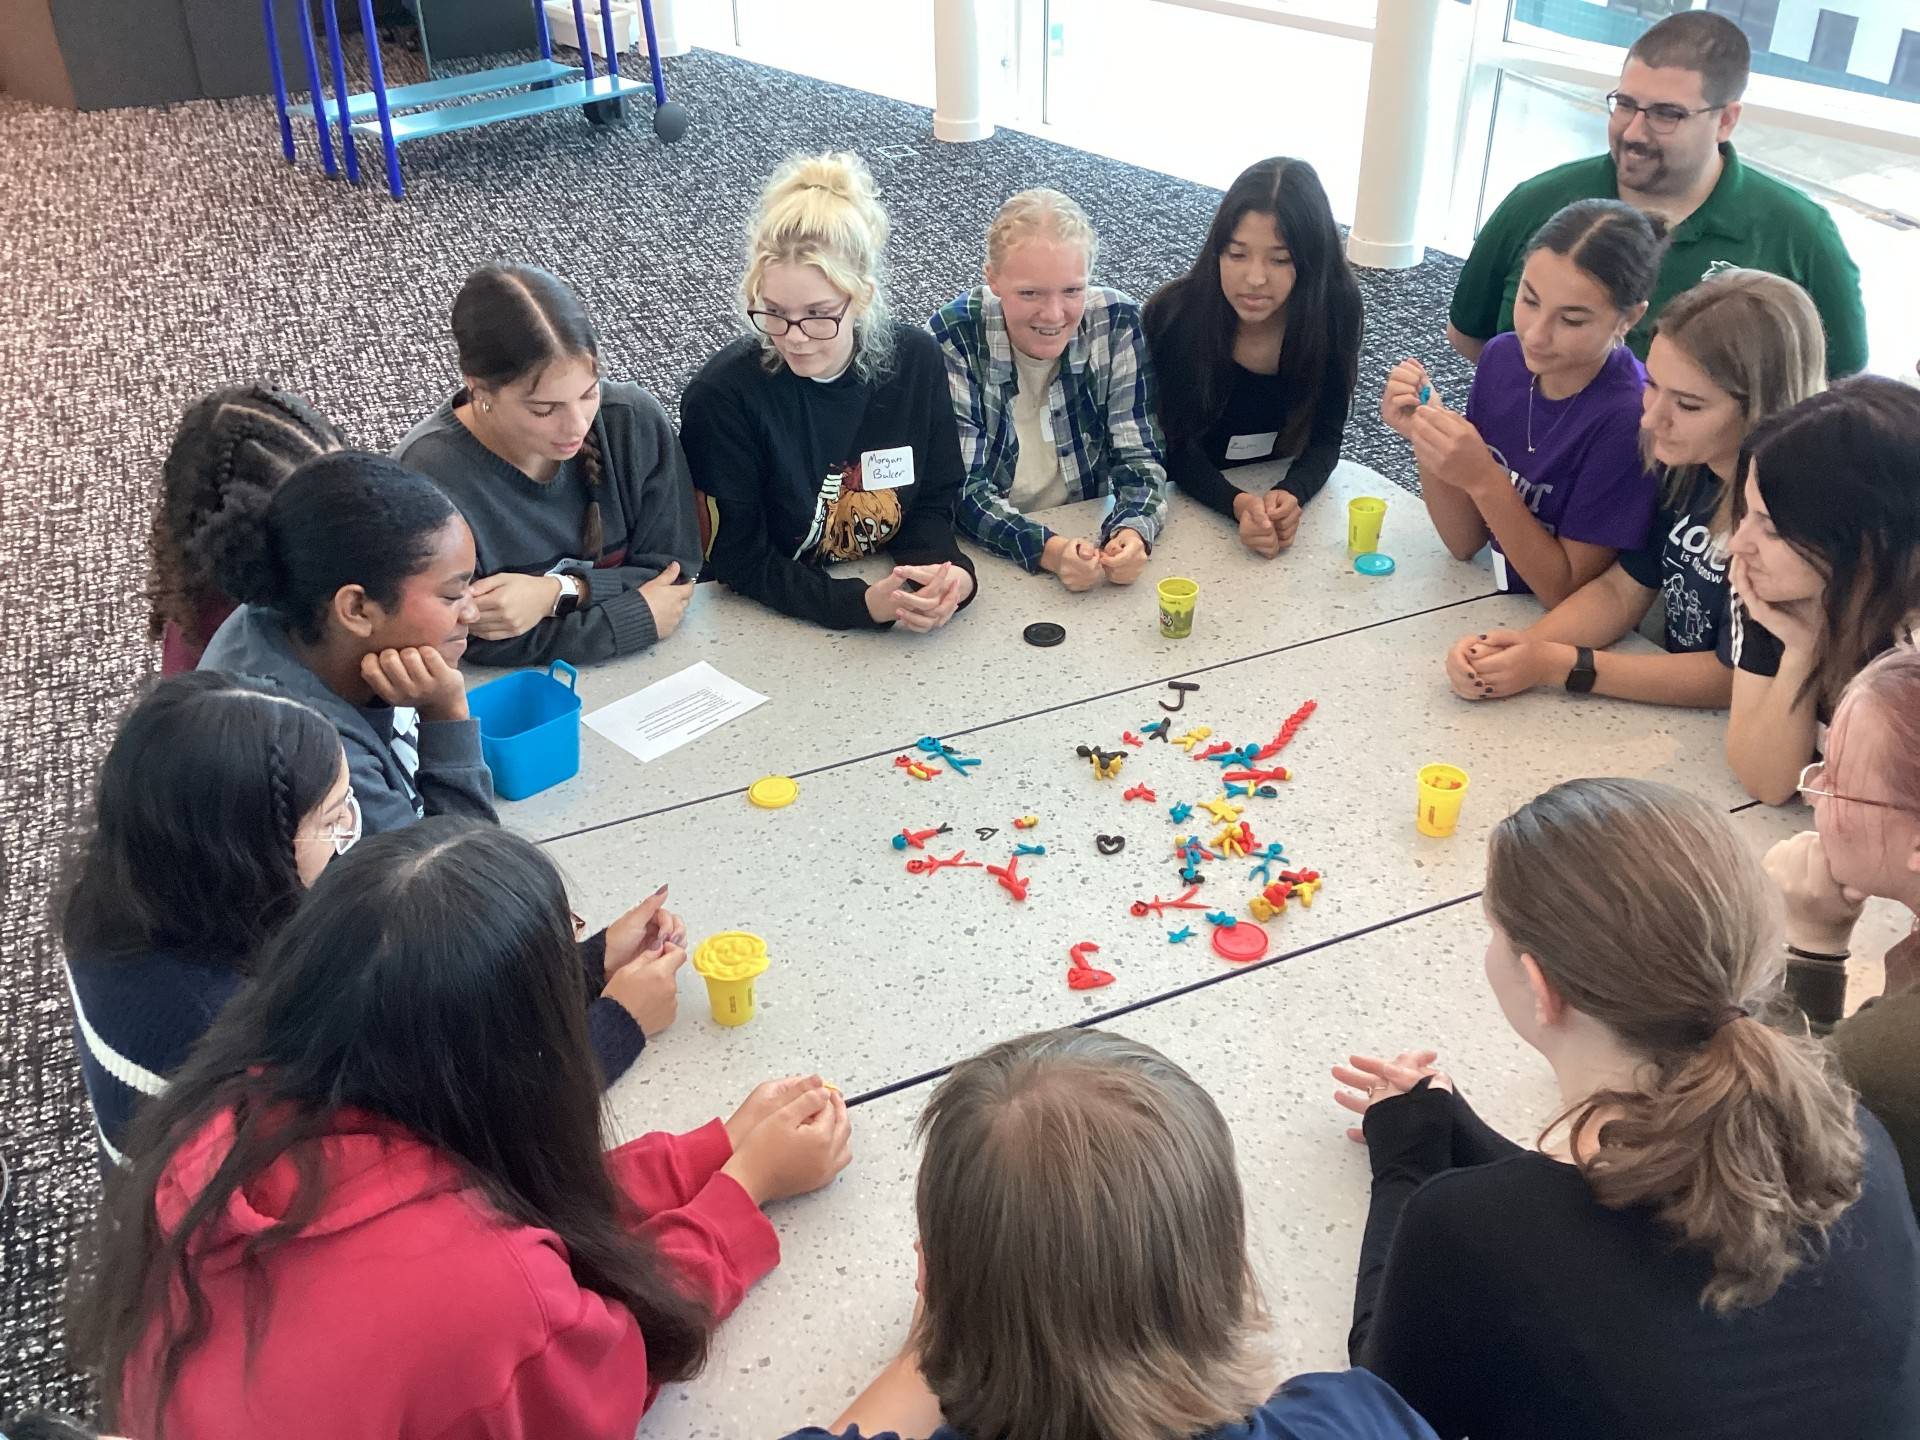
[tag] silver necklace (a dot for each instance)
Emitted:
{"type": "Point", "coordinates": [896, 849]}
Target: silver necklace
{"type": "Point", "coordinates": [1532, 389]}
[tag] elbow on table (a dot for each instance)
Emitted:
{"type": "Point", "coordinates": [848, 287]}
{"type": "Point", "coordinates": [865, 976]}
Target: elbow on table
{"type": "Point", "coordinates": [1761, 780]}
{"type": "Point", "coordinates": [1463, 548]}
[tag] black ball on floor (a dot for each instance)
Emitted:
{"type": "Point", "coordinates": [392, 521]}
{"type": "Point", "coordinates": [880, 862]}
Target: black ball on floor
{"type": "Point", "coordinates": [606, 112]}
{"type": "Point", "coordinates": [670, 121]}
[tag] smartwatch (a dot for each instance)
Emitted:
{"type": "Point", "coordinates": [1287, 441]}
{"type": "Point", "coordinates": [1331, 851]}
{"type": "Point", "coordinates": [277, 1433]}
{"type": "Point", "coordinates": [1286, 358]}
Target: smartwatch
{"type": "Point", "coordinates": [1581, 677]}
{"type": "Point", "coordinates": [569, 596]}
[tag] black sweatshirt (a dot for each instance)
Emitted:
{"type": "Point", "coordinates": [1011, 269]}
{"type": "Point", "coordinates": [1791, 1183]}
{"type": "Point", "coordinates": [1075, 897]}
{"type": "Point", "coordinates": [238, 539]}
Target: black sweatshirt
{"type": "Point", "coordinates": [528, 527]}
{"type": "Point", "coordinates": [1256, 405]}
{"type": "Point", "coordinates": [785, 460]}
{"type": "Point", "coordinates": [1512, 1305]}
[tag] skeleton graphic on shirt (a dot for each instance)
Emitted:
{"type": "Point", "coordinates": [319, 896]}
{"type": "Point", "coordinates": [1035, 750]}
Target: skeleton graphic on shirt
{"type": "Point", "coordinates": [849, 522]}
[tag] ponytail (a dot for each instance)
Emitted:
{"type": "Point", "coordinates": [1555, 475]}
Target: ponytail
{"type": "Point", "coordinates": [1647, 913]}
{"type": "Point", "coordinates": [1743, 1145]}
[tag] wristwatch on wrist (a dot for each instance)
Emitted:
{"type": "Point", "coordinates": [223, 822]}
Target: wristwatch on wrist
{"type": "Point", "coordinates": [569, 594]}
{"type": "Point", "coordinates": [1581, 677]}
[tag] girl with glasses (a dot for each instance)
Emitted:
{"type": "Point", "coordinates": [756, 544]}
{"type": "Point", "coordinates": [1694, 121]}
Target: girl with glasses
{"type": "Point", "coordinates": [218, 804]}
{"type": "Point", "coordinates": [1733, 351]}
{"type": "Point", "coordinates": [1865, 843]}
{"type": "Point", "coordinates": [1825, 569]}
{"type": "Point", "coordinates": [583, 518]}
{"type": "Point", "coordinates": [378, 1201]}
{"type": "Point", "coordinates": [827, 434]}
{"type": "Point", "coordinates": [1710, 1238]}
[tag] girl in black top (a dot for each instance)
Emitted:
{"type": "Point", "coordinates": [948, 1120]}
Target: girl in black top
{"type": "Point", "coordinates": [1713, 1240]}
{"type": "Point", "coordinates": [1257, 348]}
{"type": "Point", "coordinates": [829, 435]}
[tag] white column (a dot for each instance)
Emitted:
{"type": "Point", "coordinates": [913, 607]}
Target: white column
{"type": "Point", "coordinates": [1393, 148]}
{"type": "Point", "coordinates": [958, 94]}
{"type": "Point", "coordinates": [674, 33]}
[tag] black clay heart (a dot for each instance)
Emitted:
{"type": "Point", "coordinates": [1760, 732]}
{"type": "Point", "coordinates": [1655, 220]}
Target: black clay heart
{"type": "Point", "coordinates": [985, 832]}
{"type": "Point", "coordinates": [1109, 844]}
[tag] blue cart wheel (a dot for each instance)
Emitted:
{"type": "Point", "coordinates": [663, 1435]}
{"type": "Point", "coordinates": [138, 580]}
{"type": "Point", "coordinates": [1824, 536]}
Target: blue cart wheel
{"type": "Point", "coordinates": [670, 121]}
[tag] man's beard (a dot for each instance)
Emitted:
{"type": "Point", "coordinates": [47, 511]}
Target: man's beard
{"type": "Point", "coordinates": [1660, 180]}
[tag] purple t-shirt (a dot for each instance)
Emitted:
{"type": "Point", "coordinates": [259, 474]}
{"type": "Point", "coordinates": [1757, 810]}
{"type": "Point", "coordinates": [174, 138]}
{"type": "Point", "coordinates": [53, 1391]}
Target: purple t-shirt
{"type": "Point", "coordinates": [1584, 478]}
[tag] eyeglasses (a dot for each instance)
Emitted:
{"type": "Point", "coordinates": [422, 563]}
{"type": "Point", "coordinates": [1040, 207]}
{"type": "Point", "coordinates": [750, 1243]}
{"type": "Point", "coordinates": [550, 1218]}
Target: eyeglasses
{"type": "Point", "coordinates": [579, 925]}
{"type": "Point", "coordinates": [1661, 119]}
{"type": "Point", "coordinates": [1811, 777]}
{"type": "Point", "coordinates": [814, 327]}
{"type": "Point", "coordinates": [344, 832]}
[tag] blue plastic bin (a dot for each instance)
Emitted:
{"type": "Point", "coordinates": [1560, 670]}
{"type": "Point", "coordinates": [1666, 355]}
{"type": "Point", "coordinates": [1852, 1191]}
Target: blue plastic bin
{"type": "Point", "coordinates": [529, 729]}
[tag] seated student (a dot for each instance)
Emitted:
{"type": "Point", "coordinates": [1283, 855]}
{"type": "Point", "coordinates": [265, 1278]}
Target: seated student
{"type": "Point", "coordinates": [375, 1201]}
{"type": "Point", "coordinates": [827, 435]}
{"type": "Point", "coordinates": [1737, 348]}
{"type": "Point", "coordinates": [218, 804]}
{"type": "Point", "coordinates": [240, 435]}
{"type": "Point", "coordinates": [1084, 1270]}
{"type": "Point", "coordinates": [1712, 1240]}
{"type": "Point", "coordinates": [1053, 386]}
{"type": "Point", "coordinates": [356, 583]}
{"type": "Point", "coordinates": [1257, 348]}
{"type": "Point", "coordinates": [1825, 569]}
{"type": "Point", "coordinates": [1866, 841]}
{"type": "Point", "coordinates": [1545, 464]}
{"type": "Point", "coordinates": [1670, 152]}
{"type": "Point", "coordinates": [575, 490]}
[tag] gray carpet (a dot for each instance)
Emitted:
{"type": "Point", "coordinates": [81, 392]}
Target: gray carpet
{"type": "Point", "coordinates": [151, 255]}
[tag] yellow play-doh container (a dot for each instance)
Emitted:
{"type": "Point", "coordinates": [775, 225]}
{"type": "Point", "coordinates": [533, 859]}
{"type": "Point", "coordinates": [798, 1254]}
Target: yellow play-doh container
{"type": "Point", "coordinates": [1177, 599]}
{"type": "Point", "coordinates": [730, 962]}
{"type": "Point", "coordinates": [1442, 788]}
{"type": "Point", "coordinates": [1364, 516]}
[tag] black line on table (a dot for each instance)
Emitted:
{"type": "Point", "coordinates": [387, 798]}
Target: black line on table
{"type": "Point", "coordinates": [1028, 715]}
{"type": "Point", "coordinates": [894, 1087]}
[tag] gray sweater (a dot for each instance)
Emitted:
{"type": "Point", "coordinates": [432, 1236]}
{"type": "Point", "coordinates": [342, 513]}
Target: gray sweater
{"type": "Point", "coordinates": [530, 528]}
{"type": "Point", "coordinates": [451, 777]}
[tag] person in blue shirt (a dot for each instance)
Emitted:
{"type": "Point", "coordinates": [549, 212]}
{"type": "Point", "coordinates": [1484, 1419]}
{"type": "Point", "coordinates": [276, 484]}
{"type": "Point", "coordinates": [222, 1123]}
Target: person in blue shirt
{"type": "Point", "coordinates": [1053, 391]}
{"type": "Point", "coordinates": [1084, 1271]}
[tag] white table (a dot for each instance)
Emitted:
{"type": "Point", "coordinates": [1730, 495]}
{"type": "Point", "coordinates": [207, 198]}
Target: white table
{"type": "Point", "coordinates": [836, 695]}
{"type": "Point", "coordinates": [882, 979]}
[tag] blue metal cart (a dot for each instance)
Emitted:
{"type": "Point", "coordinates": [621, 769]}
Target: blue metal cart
{"type": "Point", "coordinates": [507, 92]}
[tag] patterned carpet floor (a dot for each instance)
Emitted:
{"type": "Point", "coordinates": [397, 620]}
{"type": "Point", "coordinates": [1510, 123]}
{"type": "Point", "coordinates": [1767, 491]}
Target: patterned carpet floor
{"type": "Point", "coordinates": [150, 255]}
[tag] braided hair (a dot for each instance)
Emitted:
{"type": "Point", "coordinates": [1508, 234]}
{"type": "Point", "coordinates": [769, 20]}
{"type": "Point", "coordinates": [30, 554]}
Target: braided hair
{"type": "Point", "coordinates": [250, 436]}
{"type": "Point", "coordinates": [513, 321]}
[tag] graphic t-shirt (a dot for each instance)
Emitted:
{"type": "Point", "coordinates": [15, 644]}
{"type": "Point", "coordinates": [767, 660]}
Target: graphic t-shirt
{"type": "Point", "coordinates": [1687, 563]}
{"type": "Point", "coordinates": [1576, 462]}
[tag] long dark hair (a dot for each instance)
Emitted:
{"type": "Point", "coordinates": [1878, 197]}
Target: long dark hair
{"type": "Point", "coordinates": [1837, 474]}
{"type": "Point", "coordinates": [349, 518]}
{"type": "Point", "coordinates": [248, 436]}
{"type": "Point", "coordinates": [190, 846]}
{"type": "Point", "coordinates": [1191, 325]}
{"type": "Point", "coordinates": [429, 980]}
{"type": "Point", "coordinates": [1619, 246]}
{"type": "Point", "coordinates": [511, 321]}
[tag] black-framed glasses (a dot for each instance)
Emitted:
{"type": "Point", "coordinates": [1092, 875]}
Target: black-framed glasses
{"type": "Point", "coordinates": [1662, 119]}
{"type": "Point", "coordinates": [814, 327]}
{"type": "Point", "coordinates": [1814, 774]}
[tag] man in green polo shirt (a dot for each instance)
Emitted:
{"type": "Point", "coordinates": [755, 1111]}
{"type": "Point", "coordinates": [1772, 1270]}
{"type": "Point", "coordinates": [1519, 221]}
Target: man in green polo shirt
{"type": "Point", "coordinates": [1670, 153]}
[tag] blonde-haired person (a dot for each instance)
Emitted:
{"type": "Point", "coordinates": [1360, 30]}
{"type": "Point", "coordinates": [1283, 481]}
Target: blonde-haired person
{"type": "Point", "coordinates": [1053, 386]}
{"type": "Point", "coordinates": [1712, 1240]}
{"type": "Point", "coordinates": [1740, 346]}
{"type": "Point", "coordinates": [1083, 1267]}
{"type": "Point", "coordinates": [1866, 842]}
{"type": "Point", "coordinates": [826, 435]}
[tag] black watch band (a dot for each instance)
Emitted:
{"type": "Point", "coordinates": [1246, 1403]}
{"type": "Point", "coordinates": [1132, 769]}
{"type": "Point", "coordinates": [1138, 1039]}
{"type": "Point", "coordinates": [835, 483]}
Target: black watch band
{"type": "Point", "coordinates": [1581, 677]}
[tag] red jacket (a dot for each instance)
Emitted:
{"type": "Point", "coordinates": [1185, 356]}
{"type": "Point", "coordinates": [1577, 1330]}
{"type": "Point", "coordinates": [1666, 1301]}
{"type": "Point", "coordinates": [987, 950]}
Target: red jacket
{"type": "Point", "coordinates": [410, 1309]}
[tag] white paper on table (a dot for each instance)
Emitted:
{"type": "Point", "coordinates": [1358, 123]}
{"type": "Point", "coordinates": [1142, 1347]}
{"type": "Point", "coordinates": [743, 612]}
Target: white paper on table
{"type": "Point", "coordinates": [670, 712]}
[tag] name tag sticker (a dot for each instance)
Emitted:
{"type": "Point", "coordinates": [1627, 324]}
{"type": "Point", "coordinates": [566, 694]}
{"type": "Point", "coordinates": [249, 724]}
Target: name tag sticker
{"type": "Point", "coordinates": [886, 469]}
{"type": "Point", "coordinates": [1252, 447]}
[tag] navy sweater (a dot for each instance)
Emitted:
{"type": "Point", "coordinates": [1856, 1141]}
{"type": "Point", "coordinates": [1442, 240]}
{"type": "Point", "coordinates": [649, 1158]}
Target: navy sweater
{"type": "Point", "coordinates": [137, 1017]}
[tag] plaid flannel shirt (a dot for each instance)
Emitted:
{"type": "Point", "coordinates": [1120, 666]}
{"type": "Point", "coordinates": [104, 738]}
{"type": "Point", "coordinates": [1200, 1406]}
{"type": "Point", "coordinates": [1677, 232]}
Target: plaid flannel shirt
{"type": "Point", "coordinates": [1102, 407]}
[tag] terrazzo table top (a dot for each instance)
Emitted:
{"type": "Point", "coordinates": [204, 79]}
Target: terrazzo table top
{"type": "Point", "coordinates": [834, 696]}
